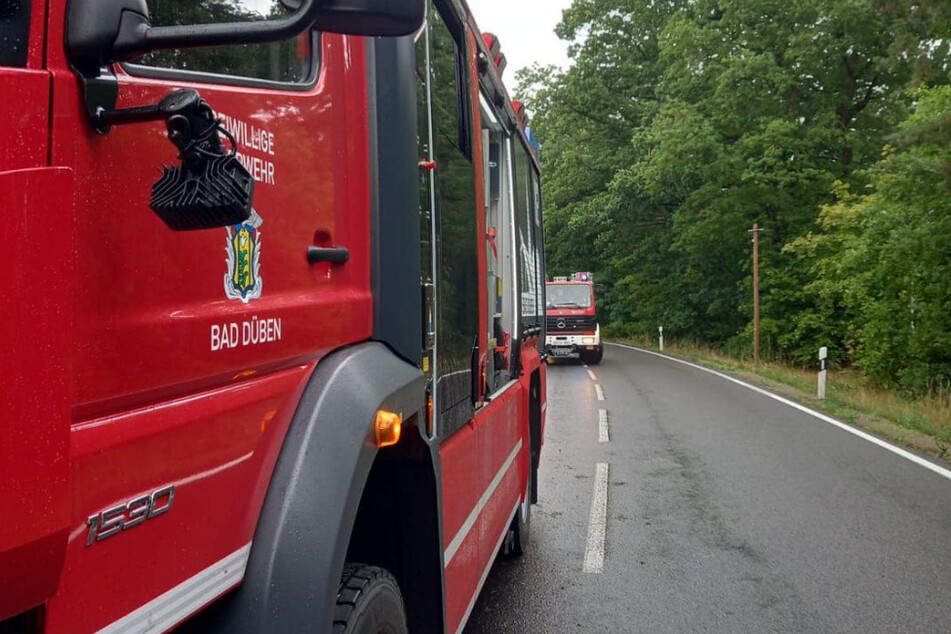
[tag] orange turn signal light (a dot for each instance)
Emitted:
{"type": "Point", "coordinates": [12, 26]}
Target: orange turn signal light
{"type": "Point", "coordinates": [429, 415]}
{"type": "Point", "coordinates": [388, 427]}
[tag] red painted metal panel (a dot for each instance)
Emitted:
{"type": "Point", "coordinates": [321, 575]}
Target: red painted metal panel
{"type": "Point", "coordinates": [503, 426]}
{"type": "Point", "coordinates": [24, 116]}
{"type": "Point", "coordinates": [470, 460]}
{"type": "Point", "coordinates": [35, 318]}
{"type": "Point", "coordinates": [462, 484]}
{"type": "Point", "coordinates": [157, 398]}
{"type": "Point", "coordinates": [462, 479]}
{"type": "Point", "coordinates": [159, 295]}
{"type": "Point", "coordinates": [216, 448]}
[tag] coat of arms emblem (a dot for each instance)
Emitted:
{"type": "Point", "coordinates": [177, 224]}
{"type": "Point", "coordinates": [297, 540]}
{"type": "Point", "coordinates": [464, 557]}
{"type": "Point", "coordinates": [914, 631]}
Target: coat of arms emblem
{"type": "Point", "coordinates": [243, 279]}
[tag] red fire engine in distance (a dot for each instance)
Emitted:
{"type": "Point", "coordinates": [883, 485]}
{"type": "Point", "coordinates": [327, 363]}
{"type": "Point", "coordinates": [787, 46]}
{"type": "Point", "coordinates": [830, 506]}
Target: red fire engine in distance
{"type": "Point", "coordinates": [274, 316]}
{"type": "Point", "coordinates": [572, 319]}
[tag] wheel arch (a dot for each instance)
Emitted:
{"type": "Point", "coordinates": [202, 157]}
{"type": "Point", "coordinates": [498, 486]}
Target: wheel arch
{"type": "Point", "coordinates": [310, 509]}
{"type": "Point", "coordinates": [535, 429]}
{"type": "Point", "coordinates": [398, 528]}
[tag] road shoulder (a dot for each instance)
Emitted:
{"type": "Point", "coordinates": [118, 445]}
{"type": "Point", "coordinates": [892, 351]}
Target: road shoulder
{"type": "Point", "coordinates": [919, 446]}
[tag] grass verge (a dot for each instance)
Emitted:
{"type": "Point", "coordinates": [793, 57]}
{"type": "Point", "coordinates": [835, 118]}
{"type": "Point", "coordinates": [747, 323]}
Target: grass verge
{"type": "Point", "coordinates": [922, 424]}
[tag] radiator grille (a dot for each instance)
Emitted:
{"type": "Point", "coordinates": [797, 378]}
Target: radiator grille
{"type": "Point", "coordinates": [558, 325]}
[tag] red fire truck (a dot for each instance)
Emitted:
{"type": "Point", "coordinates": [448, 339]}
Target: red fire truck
{"type": "Point", "coordinates": [572, 319]}
{"type": "Point", "coordinates": [272, 315]}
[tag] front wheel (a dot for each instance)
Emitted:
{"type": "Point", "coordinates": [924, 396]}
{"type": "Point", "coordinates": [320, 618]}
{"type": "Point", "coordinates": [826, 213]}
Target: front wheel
{"type": "Point", "coordinates": [369, 602]}
{"type": "Point", "coordinates": [520, 530]}
{"type": "Point", "coordinates": [593, 357]}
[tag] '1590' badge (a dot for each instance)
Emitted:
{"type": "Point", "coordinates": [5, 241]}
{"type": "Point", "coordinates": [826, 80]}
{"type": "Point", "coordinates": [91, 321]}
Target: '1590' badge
{"type": "Point", "coordinates": [243, 279]}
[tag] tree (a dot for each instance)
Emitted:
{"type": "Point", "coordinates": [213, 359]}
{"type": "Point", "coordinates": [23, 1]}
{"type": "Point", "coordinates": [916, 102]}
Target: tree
{"type": "Point", "coordinates": [680, 123]}
{"type": "Point", "coordinates": [882, 260]}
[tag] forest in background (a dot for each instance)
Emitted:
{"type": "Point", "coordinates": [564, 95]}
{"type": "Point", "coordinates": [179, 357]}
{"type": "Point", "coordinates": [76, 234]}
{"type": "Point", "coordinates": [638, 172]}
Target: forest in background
{"type": "Point", "coordinates": [682, 122]}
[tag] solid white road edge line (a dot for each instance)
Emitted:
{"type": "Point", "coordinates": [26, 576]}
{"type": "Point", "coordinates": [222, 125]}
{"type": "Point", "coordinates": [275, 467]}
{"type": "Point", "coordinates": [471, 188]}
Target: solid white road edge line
{"type": "Point", "coordinates": [594, 550]}
{"type": "Point", "coordinates": [597, 388]}
{"type": "Point", "coordinates": [603, 426]}
{"type": "Point", "coordinates": [463, 531]}
{"type": "Point", "coordinates": [591, 374]}
{"type": "Point", "coordinates": [918, 460]}
{"type": "Point", "coordinates": [485, 573]}
{"type": "Point", "coordinates": [186, 598]}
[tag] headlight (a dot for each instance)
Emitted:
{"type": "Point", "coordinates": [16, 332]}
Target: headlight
{"type": "Point", "coordinates": [587, 341]}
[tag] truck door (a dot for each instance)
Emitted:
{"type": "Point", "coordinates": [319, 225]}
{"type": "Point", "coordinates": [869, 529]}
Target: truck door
{"type": "Point", "coordinates": [34, 322]}
{"type": "Point", "coordinates": [192, 347]}
{"type": "Point", "coordinates": [450, 262]}
{"type": "Point", "coordinates": [479, 474]}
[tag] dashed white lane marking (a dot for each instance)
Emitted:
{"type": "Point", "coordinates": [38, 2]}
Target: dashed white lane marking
{"type": "Point", "coordinates": [597, 388]}
{"type": "Point", "coordinates": [918, 460]}
{"type": "Point", "coordinates": [591, 374]}
{"type": "Point", "coordinates": [594, 551]}
{"type": "Point", "coordinates": [603, 426]}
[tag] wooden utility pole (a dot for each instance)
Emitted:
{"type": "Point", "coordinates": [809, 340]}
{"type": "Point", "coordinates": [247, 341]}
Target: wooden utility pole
{"type": "Point", "coordinates": [755, 233]}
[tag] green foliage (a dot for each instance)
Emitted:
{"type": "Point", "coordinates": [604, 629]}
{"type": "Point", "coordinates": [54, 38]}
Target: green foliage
{"type": "Point", "coordinates": [884, 258]}
{"type": "Point", "coordinates": [683, 122]}
{"type": "Point", "coordinates": [285, 61]}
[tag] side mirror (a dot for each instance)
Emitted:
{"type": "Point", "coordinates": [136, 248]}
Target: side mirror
{"type": "Point", "coordinates": [370, 17]}
{"type": "Point", "coordinates": [600, 289]}
{"type": "Point", "coordinates": [101, 32]}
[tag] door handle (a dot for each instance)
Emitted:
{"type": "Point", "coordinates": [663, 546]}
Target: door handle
{"type": "Point", "coordinates": [334, 255]}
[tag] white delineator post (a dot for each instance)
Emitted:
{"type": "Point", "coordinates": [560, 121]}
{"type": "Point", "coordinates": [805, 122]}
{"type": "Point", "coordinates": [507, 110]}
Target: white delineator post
{"type": "Point", "coordinates": [661, 329]}
{"type": "Point", "coordinates": [823, 355]}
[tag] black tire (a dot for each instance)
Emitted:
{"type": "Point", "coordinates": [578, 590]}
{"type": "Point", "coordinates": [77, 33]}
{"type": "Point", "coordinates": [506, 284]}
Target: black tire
{"type": "Point", "coordinates": [520, 531]}
{"type": "Point", "coordinates": [369, 602]}
{"type": "Point", "coordinates": [593, 358]}
{"type": "Point", "coordinates": [533, 489]}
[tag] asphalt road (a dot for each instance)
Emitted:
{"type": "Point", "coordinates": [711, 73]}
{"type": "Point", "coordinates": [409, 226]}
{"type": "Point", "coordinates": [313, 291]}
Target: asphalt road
{"type": "Point", "coordinates": [727, 511]}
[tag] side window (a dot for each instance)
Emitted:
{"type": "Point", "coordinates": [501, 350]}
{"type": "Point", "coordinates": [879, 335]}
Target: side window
{"type": "Point", "coordinates": [457, 272]}
{"type": "Point", "coordinates": [451, 113]}
{"type": "Point", "coordinates": [499, 224]}
{"type": "Point", "coordinates": [14, 32]}
{"type": "Point", "coordinates": [525, 212]}
{"type": "Point", "coordinates": [288, 61]}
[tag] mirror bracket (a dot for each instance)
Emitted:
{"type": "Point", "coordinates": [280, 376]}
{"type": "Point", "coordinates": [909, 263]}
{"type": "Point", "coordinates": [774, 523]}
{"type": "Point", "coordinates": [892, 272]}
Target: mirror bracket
{"type": "Point", "coordinates": [179, 102]}
{"type": "Point", "coordinates": [100, 94]}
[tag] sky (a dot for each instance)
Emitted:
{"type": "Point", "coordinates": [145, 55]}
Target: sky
{"type": "Point", "coordinates": [525, 29]}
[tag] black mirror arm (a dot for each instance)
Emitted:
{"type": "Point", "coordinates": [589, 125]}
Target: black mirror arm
{"type": "Point", "coordinates": [100, 33]}
{"type": "Point", "coordinates": [137, 36]}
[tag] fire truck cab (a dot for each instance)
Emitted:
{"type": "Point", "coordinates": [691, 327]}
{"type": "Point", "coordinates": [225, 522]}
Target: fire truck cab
{"type": "Point", "coordinates": [572, 319]}
{"type": "Point", "coordinates": [273, 315]}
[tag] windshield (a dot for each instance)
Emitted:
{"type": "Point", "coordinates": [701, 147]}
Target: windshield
{"type": "Point", "coordinates": [569, 295]}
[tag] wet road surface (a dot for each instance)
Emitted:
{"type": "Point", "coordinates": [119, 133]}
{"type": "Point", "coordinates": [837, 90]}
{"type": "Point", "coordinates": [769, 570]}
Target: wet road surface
{"type": "Point", "coordinates": [717, 509]}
